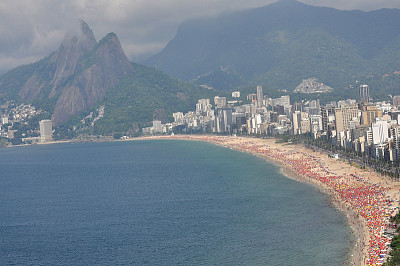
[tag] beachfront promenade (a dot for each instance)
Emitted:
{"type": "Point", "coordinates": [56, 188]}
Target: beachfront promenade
{"type": "Point", "coordinates": [368, 199]}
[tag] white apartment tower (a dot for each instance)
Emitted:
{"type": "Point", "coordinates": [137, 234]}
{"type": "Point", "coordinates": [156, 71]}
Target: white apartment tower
{"type": "Point", "coordinates": [380, 132]}
{"type": "Point", "coordinates": [260, 96]}
{"type": "Point", "coordinates": [297, 122]}
{"type": "Point", "coordinates": [46, 130]}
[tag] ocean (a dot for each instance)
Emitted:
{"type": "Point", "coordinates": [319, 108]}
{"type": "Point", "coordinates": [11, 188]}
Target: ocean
{"type": "Point", "coordinates": [160, 202]}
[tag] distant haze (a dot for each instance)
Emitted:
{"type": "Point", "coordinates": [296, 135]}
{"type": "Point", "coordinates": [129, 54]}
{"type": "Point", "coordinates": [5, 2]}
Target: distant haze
{"type": "Point", "coordinates": [30, 30]}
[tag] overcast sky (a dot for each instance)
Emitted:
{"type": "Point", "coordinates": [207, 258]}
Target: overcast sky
{"type": "Point", "coordinates": [31, 29]}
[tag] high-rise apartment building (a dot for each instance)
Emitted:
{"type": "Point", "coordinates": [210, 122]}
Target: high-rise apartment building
{"type": "Point", "coordinates": [364, 93]}
{"type": "Point", "coordinates": [315, 123]}
{"type": "Point", "coordinates": [178, 117]}
{"type": "Point", "coordinates": [220, 102]}
{"type": "Point", "coordinates": [46, 130]}
{"type": "Point", "coordinates": [396, 100]}
{"type": "Point", "coordinates": [305, 125]}
{"type": "Point", "coordinates": [252, 97]}
{"type": "Point", "coordinates": [203, 105]}
{"type": "Point", "coordinates": [344, 115]}
{"type": "Point", "coordinates": [380, 132]}
{"type": "Point", "coordinates": [368, 114]}
{"type": "Point", "coordinates": [327, 112]}
{"type": "Point", "coordinates": [260, 96]}
{"type": "Point", "coordinates": [297, 122]}
{"type": "Point", "coordinates": [157, 126]}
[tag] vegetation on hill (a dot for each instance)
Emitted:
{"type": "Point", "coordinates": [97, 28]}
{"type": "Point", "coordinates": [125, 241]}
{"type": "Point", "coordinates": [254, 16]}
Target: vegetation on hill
{"type": "Point", "coordinates": [139, 98]}
{"type": "Point", "coordinates": [145, 95]}
{"type": "Point", "coordinates": [279, 45]}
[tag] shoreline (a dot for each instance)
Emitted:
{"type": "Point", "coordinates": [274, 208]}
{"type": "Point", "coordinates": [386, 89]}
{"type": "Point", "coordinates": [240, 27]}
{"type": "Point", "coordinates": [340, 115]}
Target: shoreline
{"type": "Point", "coordinates": [365, 198]}
{"type": "Point", "coordinates": [358, 227]}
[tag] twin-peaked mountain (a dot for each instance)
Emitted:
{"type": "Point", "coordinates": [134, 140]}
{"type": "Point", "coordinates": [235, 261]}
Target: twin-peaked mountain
{"type": "Point", "coordinates": [100, 69]}
{"type": "Point", "coordinates": [76, 76]}
{"type": "Point", "coordinates": [84, 73]}
{"type": "Point", "coordinates": [281, 44]}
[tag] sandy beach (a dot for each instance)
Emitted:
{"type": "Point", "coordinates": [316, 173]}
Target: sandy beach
{"type": "Point", "coordinates": [366, 198]}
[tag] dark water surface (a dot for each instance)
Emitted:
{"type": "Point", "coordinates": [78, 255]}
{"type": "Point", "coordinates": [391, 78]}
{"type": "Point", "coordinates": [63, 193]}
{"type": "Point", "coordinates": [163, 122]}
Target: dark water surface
{"type": "Point", "coordinates": [160, 203]}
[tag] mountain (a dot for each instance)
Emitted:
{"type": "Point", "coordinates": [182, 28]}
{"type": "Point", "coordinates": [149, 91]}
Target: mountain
{"type": "Point", "coordinates": [61, 64]}
{"type": "Point", "coordinates": [97, 71]}
{"type": "Point", "coordinates": [143, 96]}
{"type": "Point", "coordinates": [281, 44]}
{"type": "Point", "coordinates": [71, 79]}
{"type": "Point", "coordinates": [83, 74]}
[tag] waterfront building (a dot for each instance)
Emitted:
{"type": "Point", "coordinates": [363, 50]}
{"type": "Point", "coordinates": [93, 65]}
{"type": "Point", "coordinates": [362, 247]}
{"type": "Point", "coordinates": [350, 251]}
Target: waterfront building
{"type": "Point", "coordinates": [395, 142]}
{"type": "Point", "coordinates": [46, 130]}
{"type": "Point", "coordinates": [227, 119]}
{"type": "Point", "coordinates": [368, 136]}
{"type": "Point", "coordinates": [328, 116]}
{"type": "Point", "coordinates": [368, 114]}
{"type": "Point", "coordinates": [344, 115]}
{"type": "Point", "coordinates": [178, 118]}
{"type": "Point", "coordinates": [316, 123]}
{"type": "Point", "coordinates": [203, 105]}
{"type": "Point", "coordinates": [305, 125]}
{"type": "Point", "coordinates": [379, 150]}
{"type": "Point", "coordinates": [380, 132]}
{"type": "Point", "coordinates": [157, 127]}
{"type": "Point", "coordinates": [296, 122]}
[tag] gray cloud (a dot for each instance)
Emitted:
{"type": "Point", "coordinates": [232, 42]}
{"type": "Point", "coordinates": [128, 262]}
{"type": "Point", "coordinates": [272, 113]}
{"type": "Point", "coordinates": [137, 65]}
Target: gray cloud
{"type": "Point", "coordinates": [31, 29]}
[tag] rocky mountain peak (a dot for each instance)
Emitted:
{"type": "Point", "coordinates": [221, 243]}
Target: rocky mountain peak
{"type": "Point", "coordinates": [62, 63]}
{"type": "Point", "coordinates": [76, 76]}
{"type": "Point", "coordinates": [110, 51]}
{"type": "Point", "coordinates": [100, 69]}
{"type": "Point", "coordinates": [86, 31]}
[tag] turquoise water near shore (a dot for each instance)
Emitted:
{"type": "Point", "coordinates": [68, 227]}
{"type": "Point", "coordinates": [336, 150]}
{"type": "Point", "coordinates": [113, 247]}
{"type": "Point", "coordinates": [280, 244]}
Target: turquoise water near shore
{"type": "Point", "coordinates": [160, 202]}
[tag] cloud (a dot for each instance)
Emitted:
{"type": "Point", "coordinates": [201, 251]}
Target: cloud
{"type": "Point", "coordinates": [32, 29]}
{"type": "Point", "coordinates": [365, 5]}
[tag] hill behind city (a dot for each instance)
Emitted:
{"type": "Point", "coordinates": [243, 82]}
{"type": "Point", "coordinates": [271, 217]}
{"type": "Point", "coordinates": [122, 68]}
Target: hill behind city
{"type": "Point", "coordinates": [281, 44]}
{"type": "Point", "coordinates": [83, 75]}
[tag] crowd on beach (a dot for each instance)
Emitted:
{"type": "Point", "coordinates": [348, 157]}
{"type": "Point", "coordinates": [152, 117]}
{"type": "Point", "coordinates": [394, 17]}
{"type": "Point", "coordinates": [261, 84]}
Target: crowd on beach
{"type": "Point", "coordinates": [369, 201]}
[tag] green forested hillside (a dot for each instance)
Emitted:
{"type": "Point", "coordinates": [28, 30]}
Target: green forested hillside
{"type": "Point", "coordinates": [145, 95]}
{"type": "Point", "coordinates": [280, 44]}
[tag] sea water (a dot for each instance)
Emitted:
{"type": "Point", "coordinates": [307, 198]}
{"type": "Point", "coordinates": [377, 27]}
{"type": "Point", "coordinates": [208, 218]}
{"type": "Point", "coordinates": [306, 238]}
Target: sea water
{"type": "Point", "coordinates": [161, 202]}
